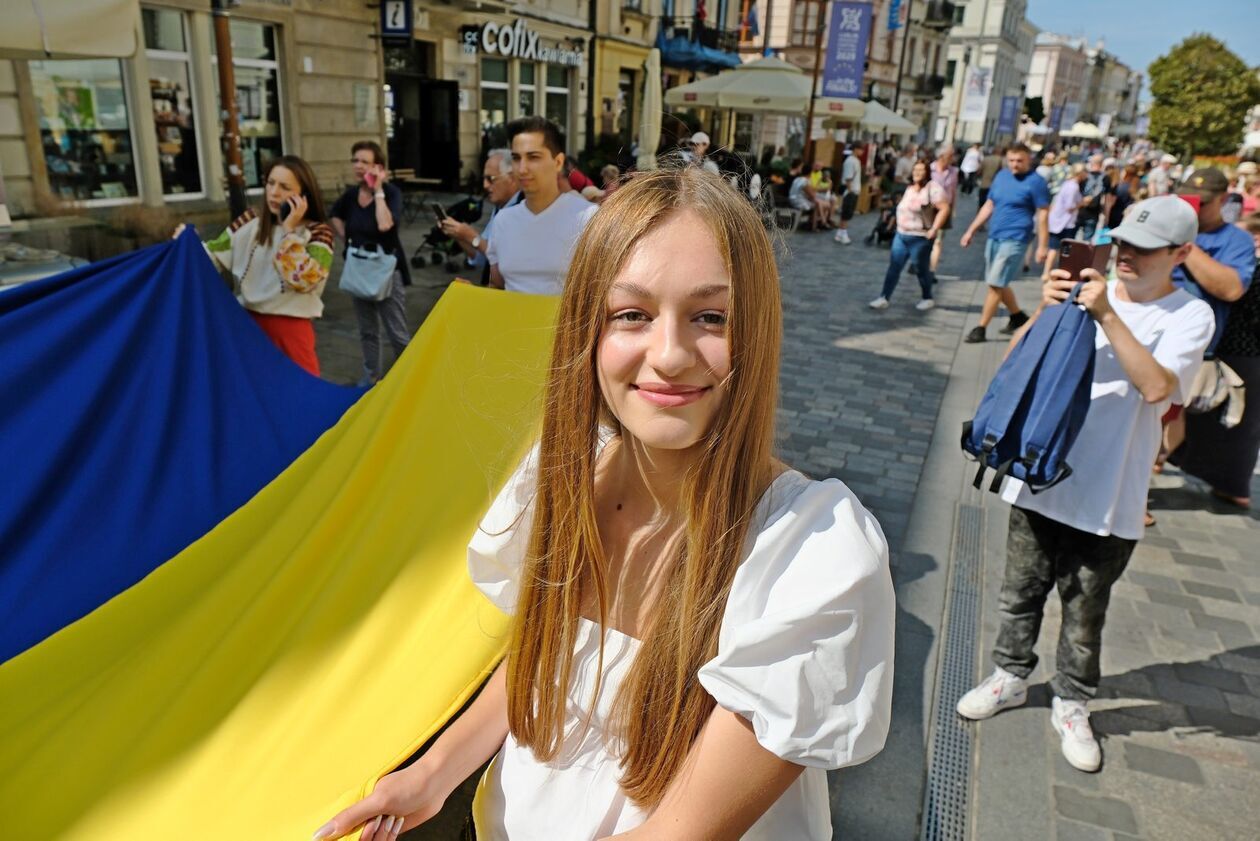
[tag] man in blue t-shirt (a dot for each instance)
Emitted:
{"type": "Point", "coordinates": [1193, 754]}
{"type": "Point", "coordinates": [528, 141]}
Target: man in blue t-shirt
{"type": "Point", "coordinates": [1223, 258]}
{"type": "Point", "coordinates": [1017, 198]}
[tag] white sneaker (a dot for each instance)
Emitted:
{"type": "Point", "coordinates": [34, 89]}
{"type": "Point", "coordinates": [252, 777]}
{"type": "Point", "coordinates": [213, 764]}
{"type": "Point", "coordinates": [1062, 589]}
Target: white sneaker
{"type": "Point", "coordinates": [1076, 737]}
{"type": "Point", "coordinates": [880, 303]}
{"type": "Point", "coordinates": [925, 305]}
{"type": "Point", "coordinates": [999, 691]}
{"type": "Point", "coordinates": [842, 236]}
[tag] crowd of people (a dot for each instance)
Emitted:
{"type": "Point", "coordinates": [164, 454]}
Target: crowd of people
{"type": "Point", "coordinates": [621, 544]}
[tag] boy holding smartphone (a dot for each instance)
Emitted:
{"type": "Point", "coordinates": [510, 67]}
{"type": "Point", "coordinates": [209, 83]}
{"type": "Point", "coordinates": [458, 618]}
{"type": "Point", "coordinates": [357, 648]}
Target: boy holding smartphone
{"type": "Point", "coordinates": [1078, 535]}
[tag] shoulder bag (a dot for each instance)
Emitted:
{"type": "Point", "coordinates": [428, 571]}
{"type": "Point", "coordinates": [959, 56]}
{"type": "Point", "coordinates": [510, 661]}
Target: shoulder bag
{"type": "Point", "coordinates": [368, 273]}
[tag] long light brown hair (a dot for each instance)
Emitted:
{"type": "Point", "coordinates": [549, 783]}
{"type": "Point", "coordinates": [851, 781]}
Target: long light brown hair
{"type": "Point", "coordinates": [661, 706]}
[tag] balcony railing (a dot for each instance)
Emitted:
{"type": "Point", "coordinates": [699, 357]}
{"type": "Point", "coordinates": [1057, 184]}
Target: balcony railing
{"type": "Point", "coordinates": [927, 84]}
{"type": "Point", "coordinates": [939, 14]}
{"type": "Point", "coordinates": [703, 34]}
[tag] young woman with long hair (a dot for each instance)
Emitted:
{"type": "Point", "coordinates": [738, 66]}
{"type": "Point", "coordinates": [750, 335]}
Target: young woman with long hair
{"type": "Point", "coordinates": [699, 631]}
{"type": "Point", "coordinates": [279, 256]}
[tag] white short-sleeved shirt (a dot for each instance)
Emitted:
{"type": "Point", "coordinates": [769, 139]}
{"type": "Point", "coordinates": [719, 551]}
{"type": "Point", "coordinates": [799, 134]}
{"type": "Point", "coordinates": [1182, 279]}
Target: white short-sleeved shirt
{"type": "Point", "coordinates": [805, 653]}
{"type": "Point", "coordinates": [533, 250]}
{"type": "Point", "coordinates": [1113, 453]}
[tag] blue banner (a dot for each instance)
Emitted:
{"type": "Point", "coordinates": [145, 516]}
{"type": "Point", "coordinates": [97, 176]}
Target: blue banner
{"type": "Point", "coordinates": [894, 15]}
{"type": "Point", "coordinates": [1008, 115]}
{"type": "Point", "coordinates": [844, 67]}
{"type": "Point", "coordinates": [1056, 118]}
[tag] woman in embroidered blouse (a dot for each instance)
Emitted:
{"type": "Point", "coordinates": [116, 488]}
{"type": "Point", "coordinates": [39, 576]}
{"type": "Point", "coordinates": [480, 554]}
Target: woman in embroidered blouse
{"type": "Point", "coordinates": [281, 265]}
{"type": "Point", "coordinates": [700, 632]}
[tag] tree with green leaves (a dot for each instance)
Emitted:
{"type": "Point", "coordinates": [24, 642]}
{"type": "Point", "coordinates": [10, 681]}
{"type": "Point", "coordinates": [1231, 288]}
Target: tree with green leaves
{"type": "Point", "coordinates": [1202, 93]}
{"type": "Point", "coordinates": [1035, 108]}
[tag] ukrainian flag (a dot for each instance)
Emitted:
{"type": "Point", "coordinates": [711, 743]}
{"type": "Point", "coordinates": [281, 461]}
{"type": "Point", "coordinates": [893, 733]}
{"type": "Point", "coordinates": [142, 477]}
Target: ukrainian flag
{"type": "Point", "coordinates": [232, 596]}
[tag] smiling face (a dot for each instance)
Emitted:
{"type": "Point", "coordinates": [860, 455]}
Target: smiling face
{"type": "Point", "coordinates": [663, 354]}
{"type": "Point", "coordinates": [281, 183]}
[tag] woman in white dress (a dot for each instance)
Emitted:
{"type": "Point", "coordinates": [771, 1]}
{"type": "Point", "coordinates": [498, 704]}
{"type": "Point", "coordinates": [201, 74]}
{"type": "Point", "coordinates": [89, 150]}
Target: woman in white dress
{"type": "Point", "coordinates": [700, 632]}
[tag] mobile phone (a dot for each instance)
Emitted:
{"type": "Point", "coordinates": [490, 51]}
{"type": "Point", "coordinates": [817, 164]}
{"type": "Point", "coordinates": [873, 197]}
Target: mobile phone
{"type": "Point", "coordinates": [438, 211]}
{"type": "Point", "coordinates": [1076, 255]}
{"type": "Point", "coordinates": [285, 210]}
{"type": "Point", "coordinates": [369, 178]}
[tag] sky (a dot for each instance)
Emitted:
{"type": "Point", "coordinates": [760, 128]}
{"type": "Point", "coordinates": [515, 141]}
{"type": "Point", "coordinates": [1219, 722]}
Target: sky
{"type": "Point", "coordinates": [1140, 31]}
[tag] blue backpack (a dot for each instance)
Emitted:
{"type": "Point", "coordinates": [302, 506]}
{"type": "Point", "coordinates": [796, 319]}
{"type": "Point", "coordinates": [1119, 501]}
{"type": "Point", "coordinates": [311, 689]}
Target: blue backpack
{"type": "Point", "coordinates": [1035, 406]}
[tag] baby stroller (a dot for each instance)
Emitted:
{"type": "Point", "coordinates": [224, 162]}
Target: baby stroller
{"type": "Point", "coordinates": [886, 226]}
{"type": "Point", "coordinates": [437, 246]}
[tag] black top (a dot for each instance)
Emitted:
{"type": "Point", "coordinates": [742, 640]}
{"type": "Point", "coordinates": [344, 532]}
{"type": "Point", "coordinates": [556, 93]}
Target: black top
{"type": "Point", "coordinates": [1242, 329]}
{"type": "Point", "coordinates": [361, 228]}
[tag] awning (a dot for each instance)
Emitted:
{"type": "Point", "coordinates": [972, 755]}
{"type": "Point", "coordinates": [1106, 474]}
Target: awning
{"type": "Point", "coordinates": [873, 116]}
{"type": "Point", "coordinates": [687, 54]}
{"type": "Point", "coordinates": [35, 29]}
{"type": "Point", "coordinates": [1088, 131]}
{"type": "Point", "coordinates": [767, 85]}
{"type": "Point", "coordinates": [650, 122]}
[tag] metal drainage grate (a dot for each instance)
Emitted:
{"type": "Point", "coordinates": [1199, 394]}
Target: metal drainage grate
{"type": "Point", "coordinates": [948, 787]}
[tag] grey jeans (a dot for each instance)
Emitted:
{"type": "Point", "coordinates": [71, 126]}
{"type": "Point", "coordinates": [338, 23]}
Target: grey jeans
{"type": "Point", "coordinates": [1041, 554]}
{"type": "Point", "coordinates": [391, 313]}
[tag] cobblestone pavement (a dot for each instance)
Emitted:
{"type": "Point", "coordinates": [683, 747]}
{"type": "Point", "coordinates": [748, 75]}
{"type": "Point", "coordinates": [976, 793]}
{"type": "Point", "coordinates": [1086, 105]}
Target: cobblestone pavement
{"type": "Point", "coordinates": [875, 398]}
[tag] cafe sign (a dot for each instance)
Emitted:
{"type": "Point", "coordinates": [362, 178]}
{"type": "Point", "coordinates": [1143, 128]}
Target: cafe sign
{"type": "Point", "coordinates": [516, 40]}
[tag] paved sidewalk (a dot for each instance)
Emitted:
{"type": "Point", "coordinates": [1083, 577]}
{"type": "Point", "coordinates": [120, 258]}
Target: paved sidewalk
{"type": "Point", "coordinates": [1178, 711]}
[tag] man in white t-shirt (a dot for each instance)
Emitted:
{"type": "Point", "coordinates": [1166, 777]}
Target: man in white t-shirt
{"type": "Point", "coordinates": [851, 188]}
{"type": "Point", "coordinates": [533, 240]}
{"type": "Point", "coordinates": [1078, 535]}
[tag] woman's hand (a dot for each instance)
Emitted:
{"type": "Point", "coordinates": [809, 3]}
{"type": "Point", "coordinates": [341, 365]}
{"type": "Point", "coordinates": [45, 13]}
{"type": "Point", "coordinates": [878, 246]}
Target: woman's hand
{"type": "Point", "coordinates": [401, 800]}
{"type": "Point", "coordinates": [381, 174]}
{"type": "Point", "coordinates": [297, 214]}
{"type": "Point", "coordinates": [179, 229]}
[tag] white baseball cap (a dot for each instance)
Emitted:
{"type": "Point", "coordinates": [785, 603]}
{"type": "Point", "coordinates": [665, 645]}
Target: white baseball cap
{"type": "Point", "coordinates": [700, 138]}
{"type": "Point", "coordinates": [1158, 222]}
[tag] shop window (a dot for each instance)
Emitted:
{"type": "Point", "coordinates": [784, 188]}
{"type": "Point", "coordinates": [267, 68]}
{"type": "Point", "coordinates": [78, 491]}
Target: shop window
{"type": "Point", "coordinates": [494, 100]}
{"type": "Point", "coordinates": [170, 85]}
{"type": "Point", "coordinates": [84, 129]}
{"type": "Point", "coordinates": [527, 90]}
{"type": "Point", "coordinates": [256, 67]}
{"type": "Point", "coordinates": [557, 103]}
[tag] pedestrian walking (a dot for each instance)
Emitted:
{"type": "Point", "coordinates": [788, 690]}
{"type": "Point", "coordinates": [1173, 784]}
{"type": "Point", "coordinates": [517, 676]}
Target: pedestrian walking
{"type": "Point", "coordinates": [921, 214]}
{"type": "Point", "coordinates": [1096, 198]}
{"type": "Point", "coordinates": [533, 240]}
{"type": "Point", "coordinates": [970, 166]}
{"type": "Point", "coordinates": [1077, 536]}
{"type": "Point", "coordinates": [698, 631]}
{"type": "Point", "coordinates": [1159, 180]}
{"type": "Point", "coordinates": [1062, 218]}
{"type": "Point", "coordinates": [366, 216]}
{"type": "Point", "coordinates": [279, 257]}
{"type": "Point", "coordinates": [851, 184]}
{"type": "Point", "coordinates": [946, 176]}
{"type": "Point", "coordinates": [990, 165]}
{"type": "Point", "coordinates": [1225, 457]}
{"type": "Point", "coordinates": [1017, 201]}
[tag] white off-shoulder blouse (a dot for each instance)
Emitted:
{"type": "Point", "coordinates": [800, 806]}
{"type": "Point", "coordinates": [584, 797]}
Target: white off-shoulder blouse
{"type": "Point", "coordinates": [805, 653]}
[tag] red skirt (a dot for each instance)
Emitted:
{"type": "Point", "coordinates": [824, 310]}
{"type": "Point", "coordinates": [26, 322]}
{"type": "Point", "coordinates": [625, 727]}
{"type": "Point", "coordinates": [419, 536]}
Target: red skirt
{"type": "Point", "coordinates": [294, 336]}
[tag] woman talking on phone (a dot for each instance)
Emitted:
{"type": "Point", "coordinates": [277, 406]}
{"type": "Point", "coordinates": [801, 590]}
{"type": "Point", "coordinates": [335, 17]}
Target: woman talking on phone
{"type": "Point", "coordinates": [280, 256]}
{"type": "Point", "coordinates": [366, 216]}
{"type": "Point", "coordinates": [699, 632]}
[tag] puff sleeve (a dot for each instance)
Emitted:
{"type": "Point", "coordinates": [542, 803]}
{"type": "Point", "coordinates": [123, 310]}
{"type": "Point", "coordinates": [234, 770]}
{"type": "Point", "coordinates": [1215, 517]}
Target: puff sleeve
{"type": "Point", "coordinates": [497, 549]}
{"type": "Point", "coordinates": [805, 651]}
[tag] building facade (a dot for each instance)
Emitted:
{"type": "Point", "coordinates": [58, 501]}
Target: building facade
{"type": "Point", "coordinates": [145, 130]}
{"type": "Point", "coordinates": [1112, 91]}
{"type": "Point", "coordinates": [996, 37]}
{"type": "Point", "coordinates": [1059, 72]}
